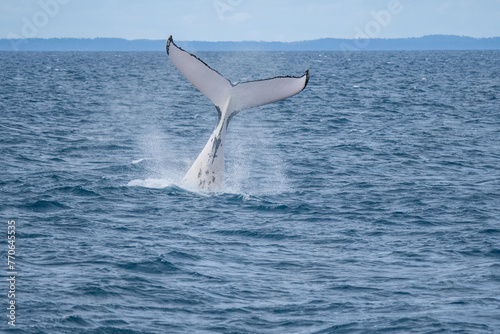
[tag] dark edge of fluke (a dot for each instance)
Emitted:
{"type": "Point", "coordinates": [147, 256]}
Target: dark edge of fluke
{"type": "Point", "coordinates": [307, 79]}
{"type": "Point", "coordinates": [169, 40]}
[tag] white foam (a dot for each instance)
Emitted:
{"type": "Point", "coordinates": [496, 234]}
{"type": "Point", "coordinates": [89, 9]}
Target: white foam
{"type": "Point", "coordinates": [138, 161]}
{"type": "Point", "coordinates": [151, 183]}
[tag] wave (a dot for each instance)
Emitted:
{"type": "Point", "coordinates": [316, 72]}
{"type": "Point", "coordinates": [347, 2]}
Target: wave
{"type": "Point", "coordinates": [78, 191]}
{"type": "Point", "coordinates": [45, 206]}
{"type": "Point", "coordinates": [151, 183]}
{"type": "Point", "coordinates": [154, 266]}
{"type": "Point", "coordinates": [168, 186]}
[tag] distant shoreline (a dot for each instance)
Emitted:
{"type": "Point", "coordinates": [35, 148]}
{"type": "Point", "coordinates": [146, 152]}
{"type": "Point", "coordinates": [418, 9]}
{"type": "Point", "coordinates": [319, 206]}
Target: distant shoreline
{"type": "Point", "coordinates": [431, 42]}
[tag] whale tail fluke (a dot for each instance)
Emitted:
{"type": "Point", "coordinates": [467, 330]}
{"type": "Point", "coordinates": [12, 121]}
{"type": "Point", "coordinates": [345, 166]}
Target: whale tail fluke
{"type": "Point", "coordinates": [208, 169]}
{"type": "Point", "coordinates": [208, 81]}
{"type": "Point", "coordinates": [223, 93]}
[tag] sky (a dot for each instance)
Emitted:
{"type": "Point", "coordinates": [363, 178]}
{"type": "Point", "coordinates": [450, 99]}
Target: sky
{"type": "Point", "coordinates": [243, 20]}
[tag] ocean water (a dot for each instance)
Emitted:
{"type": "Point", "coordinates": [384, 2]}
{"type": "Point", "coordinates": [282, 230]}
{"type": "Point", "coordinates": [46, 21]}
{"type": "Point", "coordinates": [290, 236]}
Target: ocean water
{"type": "Point", "coordinates": [368, 203]}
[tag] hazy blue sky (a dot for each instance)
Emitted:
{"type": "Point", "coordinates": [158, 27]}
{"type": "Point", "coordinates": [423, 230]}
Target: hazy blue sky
{"type": "Point", "coordinates": [236, 20]}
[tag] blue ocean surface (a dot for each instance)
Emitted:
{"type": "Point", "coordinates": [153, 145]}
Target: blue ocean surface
{"type": "Point", "coordinates": [368, 203]}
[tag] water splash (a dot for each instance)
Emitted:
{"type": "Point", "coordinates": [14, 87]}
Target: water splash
{"type": "Point", "coordinates": [254, 165]}
{"type": "Point", "coordinates": [160, 164]}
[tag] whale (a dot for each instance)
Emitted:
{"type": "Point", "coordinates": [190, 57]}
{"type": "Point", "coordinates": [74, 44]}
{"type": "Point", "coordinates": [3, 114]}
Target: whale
{"type": "Point", "coordinates": [207, 171]}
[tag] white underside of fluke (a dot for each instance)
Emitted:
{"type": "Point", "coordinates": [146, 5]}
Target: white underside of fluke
{"type": "Point", "coordinates": [207, 171]}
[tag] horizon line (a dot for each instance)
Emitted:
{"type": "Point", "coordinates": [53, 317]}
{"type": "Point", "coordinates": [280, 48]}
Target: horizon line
{"type": "Point", "coordinates": [254, 41]}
